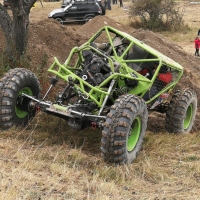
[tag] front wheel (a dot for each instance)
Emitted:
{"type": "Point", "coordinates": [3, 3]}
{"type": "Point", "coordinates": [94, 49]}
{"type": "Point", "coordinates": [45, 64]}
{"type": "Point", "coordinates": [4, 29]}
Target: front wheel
{"type": "Point", "coordinates": [13, 108]}
{"type": "Point", "coordinates": [181, 112]}
{"type": "Point", "coordinates": [60, 20]}
{"type": "Point", "coordinates": [124, 129]}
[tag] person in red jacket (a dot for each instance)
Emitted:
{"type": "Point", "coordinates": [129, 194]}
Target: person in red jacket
{"type": "Point", "coordinates": [197, 45]}
{"type": "Point", "coordinates": [164, 77]}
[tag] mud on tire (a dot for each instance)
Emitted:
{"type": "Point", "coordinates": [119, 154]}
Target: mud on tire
{"type": "Point", "coordinates": [181, 113]}
{"type": "Point", "coordinates": [124, 130]}
{"type": "Point", "coordinates": [15, 82]}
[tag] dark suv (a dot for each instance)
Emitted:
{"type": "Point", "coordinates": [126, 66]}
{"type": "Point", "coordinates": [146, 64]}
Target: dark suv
{"type": "Point", "coordinates": [67, 2]}
{"type": "Point", "coordinates": [77, 11]}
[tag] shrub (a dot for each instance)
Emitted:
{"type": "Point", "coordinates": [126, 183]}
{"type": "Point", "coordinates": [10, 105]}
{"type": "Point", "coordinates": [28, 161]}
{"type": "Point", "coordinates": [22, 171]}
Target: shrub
{"type": "Point", "coordinates": [157, 15]}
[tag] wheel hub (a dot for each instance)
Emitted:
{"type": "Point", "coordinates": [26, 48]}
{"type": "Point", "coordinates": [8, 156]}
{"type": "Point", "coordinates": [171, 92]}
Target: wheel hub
{"type": "Point", "coordinates": [134, 134]}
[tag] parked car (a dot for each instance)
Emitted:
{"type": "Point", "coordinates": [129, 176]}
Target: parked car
{"type": "Point", "coordinates": [77, 11]}
{"type": "Point", "coordinates": [67, 2]}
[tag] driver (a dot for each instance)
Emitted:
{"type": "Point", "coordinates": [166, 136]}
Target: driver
{"type": "Point", "coordinates": [164, 77]}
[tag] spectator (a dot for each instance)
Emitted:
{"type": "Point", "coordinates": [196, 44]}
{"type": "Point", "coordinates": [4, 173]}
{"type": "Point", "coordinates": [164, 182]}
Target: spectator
{"type": "Point", "coordinates": [197, 45]}
{"type": "Point", "coordinates": [121, 3]}
{"type": "Point", "coordinates": [105, 4]}
{"type": "Point", "coordinates": [108, 4]}
{"type": "Point", "coordinates": [103, 7]}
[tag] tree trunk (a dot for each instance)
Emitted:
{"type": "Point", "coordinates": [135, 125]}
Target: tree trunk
{"type": "Point", "coordinates": [16, 30]}
{"type": "Point", "coordinates": [20, 26]}
{"type": "Point", "coordinates": [6, 25]}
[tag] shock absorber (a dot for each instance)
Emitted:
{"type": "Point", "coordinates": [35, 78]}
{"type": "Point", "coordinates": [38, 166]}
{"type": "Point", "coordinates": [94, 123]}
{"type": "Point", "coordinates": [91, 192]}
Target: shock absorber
{"type": "Point", "coordinates": [106, 97]}
{"type": "Point", "coordinates": [53, 81]}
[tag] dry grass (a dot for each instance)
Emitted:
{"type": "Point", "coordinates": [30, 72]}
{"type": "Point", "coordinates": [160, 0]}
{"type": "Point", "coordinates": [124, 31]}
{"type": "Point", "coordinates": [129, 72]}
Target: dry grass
{"type": "Point", "coordinates": [46, 160]}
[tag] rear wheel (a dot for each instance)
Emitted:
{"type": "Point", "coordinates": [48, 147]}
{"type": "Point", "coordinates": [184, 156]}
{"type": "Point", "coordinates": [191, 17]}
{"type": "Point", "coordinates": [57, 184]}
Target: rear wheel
{"type": "Point", "coordinates": [181, 113]}
{"type": "Point", "coordinates": [87, 19]}
{"type": "Point", "coordinates": [13, 108]}
{"type": "Point", "coordinates": [124, 129]}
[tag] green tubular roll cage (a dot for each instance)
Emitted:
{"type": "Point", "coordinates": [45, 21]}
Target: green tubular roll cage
{"type": "Point", "coordinates": [98, 93]}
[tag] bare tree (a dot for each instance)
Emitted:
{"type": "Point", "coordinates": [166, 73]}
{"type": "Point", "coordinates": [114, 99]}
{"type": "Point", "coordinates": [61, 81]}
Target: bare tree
{"type": "Point", "coordinates": [15, 28]}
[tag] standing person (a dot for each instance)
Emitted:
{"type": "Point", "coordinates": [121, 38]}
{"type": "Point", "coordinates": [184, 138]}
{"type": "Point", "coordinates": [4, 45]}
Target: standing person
{"type": "Point", "coordinates": [103, 7]}
{"type": "Point", "coordinates": [108, 4]}
{"type": "Point", "coordinates": [120, 3]}
{"type": "Point", "coordinates": [197, 45]}
{"type": "Point", "coordinates": [105, 4]}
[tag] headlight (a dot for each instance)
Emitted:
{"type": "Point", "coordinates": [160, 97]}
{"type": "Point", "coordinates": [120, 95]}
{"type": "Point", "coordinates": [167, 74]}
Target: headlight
{"type": "Point", "coordinates": [50, 15]}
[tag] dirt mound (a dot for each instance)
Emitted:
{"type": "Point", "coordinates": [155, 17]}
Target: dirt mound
{"type": "Point", "coordinates": [52, 39]}
{"type": "Point", "coordinates": [97, 23]}
{"type": "Point", "coordinates": [49, 39]}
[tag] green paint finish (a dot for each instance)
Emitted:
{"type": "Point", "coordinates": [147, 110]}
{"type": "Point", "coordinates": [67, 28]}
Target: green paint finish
{"type": "Point", "coordinates": [134, 134]}
{"type": "Point", "coordinates": [188, 117]}
{"type": "Point", "coordinates": [20, 113]}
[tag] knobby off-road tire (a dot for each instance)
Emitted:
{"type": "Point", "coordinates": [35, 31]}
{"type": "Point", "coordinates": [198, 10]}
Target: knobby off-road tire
{"type": "Point", "coordinates": [12, 85]}
{"type": "Point", "coordinates": [124, 130]}
{"type": "Point", "coordinates": [181, 113]}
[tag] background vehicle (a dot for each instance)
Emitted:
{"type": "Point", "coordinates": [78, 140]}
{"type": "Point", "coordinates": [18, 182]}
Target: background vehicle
{"type": "Point", "coordinates": [106, 89]}
{"type": "Point", "coordinates": [67, 2]}
{"type": "Point", "coordinates": [77, 11]}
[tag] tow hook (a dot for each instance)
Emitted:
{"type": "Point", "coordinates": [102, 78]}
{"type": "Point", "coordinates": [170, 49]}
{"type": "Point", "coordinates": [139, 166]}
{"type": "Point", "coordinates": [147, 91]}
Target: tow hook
{"type": "Point", "coordinates": [38, 109]}
{"type": "Point", "coordinates": [94, 125]}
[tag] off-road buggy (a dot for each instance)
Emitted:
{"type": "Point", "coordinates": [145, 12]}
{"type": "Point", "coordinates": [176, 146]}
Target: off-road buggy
{"type": "Point", "coordinates": [106, 88]}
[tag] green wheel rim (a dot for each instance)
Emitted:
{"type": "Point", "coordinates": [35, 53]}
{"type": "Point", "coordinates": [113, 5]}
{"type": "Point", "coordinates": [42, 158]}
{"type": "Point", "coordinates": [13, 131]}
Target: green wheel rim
{"type": "Point", "coordinates": [188, 117]}
{"type": "Point", "coordinates": [20, 113]}
{"type": "Point", "coordinates": [134, 134]}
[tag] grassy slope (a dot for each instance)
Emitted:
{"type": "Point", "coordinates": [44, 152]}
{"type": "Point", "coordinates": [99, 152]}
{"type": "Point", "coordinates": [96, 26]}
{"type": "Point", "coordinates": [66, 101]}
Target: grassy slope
{"type": "Point", "coordinates": [44, 162]}
{"type": "Point", "coordinates": [47, 161]}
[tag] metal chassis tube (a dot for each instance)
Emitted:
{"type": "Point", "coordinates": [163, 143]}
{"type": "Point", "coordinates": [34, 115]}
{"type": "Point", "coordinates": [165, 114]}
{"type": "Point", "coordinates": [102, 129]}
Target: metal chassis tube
{"type": "Point", "coordinates": [61, 109]}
